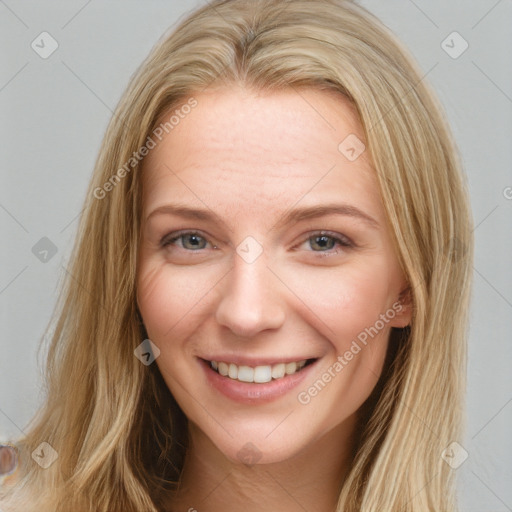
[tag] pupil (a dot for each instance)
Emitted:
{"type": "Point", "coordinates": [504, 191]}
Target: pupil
{"type": "Point", "coordinates": [323, 241]}
{"type": "Point", "coordinates": [193, 240]}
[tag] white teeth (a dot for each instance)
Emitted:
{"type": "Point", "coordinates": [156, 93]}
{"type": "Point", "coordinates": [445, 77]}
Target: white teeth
{"type": "Point", "coordinates": [290, 368]}
{"type": "Point", "coordinates": [245, 373]}
{"type": "Point", "coordinates": [233, 371]}
{"type": "Point", "coordinates": [223, 369]}
{"type": "Point", "coordinates": [262, 374]}
{"type": "Point", "coordinates": [278, 370]}
{"type": "Point", "coordinates": [259, 374]}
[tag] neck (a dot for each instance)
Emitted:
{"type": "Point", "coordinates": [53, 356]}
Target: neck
{"type": "Point", "coordinates": [310, 480]}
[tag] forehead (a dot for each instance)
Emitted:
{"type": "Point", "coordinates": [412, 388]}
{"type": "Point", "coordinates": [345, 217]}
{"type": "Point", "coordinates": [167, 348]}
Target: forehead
{"type": "Point", "coordinates": [257, 147]}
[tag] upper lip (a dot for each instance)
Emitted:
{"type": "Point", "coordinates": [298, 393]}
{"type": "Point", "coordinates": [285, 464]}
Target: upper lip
{"type": "Point", "coordinates": [256, 361]}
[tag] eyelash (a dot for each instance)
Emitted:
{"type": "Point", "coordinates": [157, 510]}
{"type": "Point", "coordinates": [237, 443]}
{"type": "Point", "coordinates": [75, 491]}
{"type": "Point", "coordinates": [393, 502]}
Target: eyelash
{"type": "Point", "coordinates": [341, 240]}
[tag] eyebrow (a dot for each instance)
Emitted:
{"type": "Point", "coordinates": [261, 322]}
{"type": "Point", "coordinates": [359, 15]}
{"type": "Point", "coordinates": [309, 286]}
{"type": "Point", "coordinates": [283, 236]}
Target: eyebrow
{"type": "Point", "coordinates": [294, 215]}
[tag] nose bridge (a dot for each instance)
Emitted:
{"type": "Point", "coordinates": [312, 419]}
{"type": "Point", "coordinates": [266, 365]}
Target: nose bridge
{"type": "Point", "coordinates": [251, 301]}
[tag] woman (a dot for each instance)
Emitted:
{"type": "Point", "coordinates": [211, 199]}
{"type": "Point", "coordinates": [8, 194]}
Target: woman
{"type": "Point", "coordinates": [268, 297]}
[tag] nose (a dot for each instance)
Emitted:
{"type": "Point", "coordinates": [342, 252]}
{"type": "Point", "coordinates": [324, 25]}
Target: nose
{"type": "Point", "coordinates": [251, 301]}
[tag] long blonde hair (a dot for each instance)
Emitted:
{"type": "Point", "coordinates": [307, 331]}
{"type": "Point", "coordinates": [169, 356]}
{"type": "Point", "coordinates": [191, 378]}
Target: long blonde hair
{"type": "Point", "coordinates": [119, 435]}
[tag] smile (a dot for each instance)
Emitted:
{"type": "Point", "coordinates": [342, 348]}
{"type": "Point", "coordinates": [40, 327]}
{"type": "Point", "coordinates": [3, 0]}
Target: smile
{"type": "Point", "coordinates": [258, 374]}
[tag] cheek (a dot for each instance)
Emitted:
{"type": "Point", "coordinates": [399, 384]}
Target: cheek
{"type": "Point", "coordinates": [170, 299]}
{"type": "Point", "coordinates": [344, 301]}
{"type": "Point", "coordinates": [347, 307]}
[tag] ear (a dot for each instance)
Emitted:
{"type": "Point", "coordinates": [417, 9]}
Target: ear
{"type": "Point", "coordinates": [403, 309]}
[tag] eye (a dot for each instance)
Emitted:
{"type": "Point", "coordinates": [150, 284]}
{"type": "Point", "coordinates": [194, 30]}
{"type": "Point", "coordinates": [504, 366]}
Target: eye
{"type": "Point", "coordinates": [190, 240]}
{"type": "Point", "coordinates": [325, 241]}
{"type": "Point", "coordinates": [322, 241]}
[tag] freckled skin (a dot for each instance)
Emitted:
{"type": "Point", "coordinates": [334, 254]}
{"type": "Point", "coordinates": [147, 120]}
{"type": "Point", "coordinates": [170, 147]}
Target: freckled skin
{"type": "Point", "coordinates": [250, 157]}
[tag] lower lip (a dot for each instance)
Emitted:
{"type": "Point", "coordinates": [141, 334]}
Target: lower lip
{"type": "Point", "coordinates": [250, 393]}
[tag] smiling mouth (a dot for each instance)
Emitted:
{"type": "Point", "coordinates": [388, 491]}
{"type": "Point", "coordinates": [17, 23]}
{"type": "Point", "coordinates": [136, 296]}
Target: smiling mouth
{"type": "Point", "coordinates": [258, 374]}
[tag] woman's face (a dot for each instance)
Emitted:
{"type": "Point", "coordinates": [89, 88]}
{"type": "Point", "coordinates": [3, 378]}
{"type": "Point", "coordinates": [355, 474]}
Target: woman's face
{"type": "Point", "coordinates": [264, 244]}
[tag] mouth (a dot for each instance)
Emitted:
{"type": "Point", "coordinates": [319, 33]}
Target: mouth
{"type": "Point", "coordinates": [260, 374]}
{"type": "Point", "coordinates": [256, 381]}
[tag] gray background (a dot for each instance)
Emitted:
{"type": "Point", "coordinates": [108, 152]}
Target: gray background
{"type": "Point", "coordinates": [54, 114]}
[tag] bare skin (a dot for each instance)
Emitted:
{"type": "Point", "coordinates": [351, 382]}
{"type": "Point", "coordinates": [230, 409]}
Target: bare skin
{"type": "Point", "coordinates": [250, 158]}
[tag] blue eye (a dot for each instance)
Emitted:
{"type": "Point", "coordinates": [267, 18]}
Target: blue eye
{"type": "Point", "coordinates": [327, 241]}
{"type": "Point", "coordinates": [189, 241]}
{"type": "Point", "coordinates": [320, 242]}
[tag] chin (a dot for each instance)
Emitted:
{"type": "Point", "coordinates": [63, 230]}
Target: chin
{"type": "Point", "coordinates": [252, 453]}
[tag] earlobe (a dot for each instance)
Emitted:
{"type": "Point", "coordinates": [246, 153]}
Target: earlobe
{"type": "Point", "coordinates": [404, 309]}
